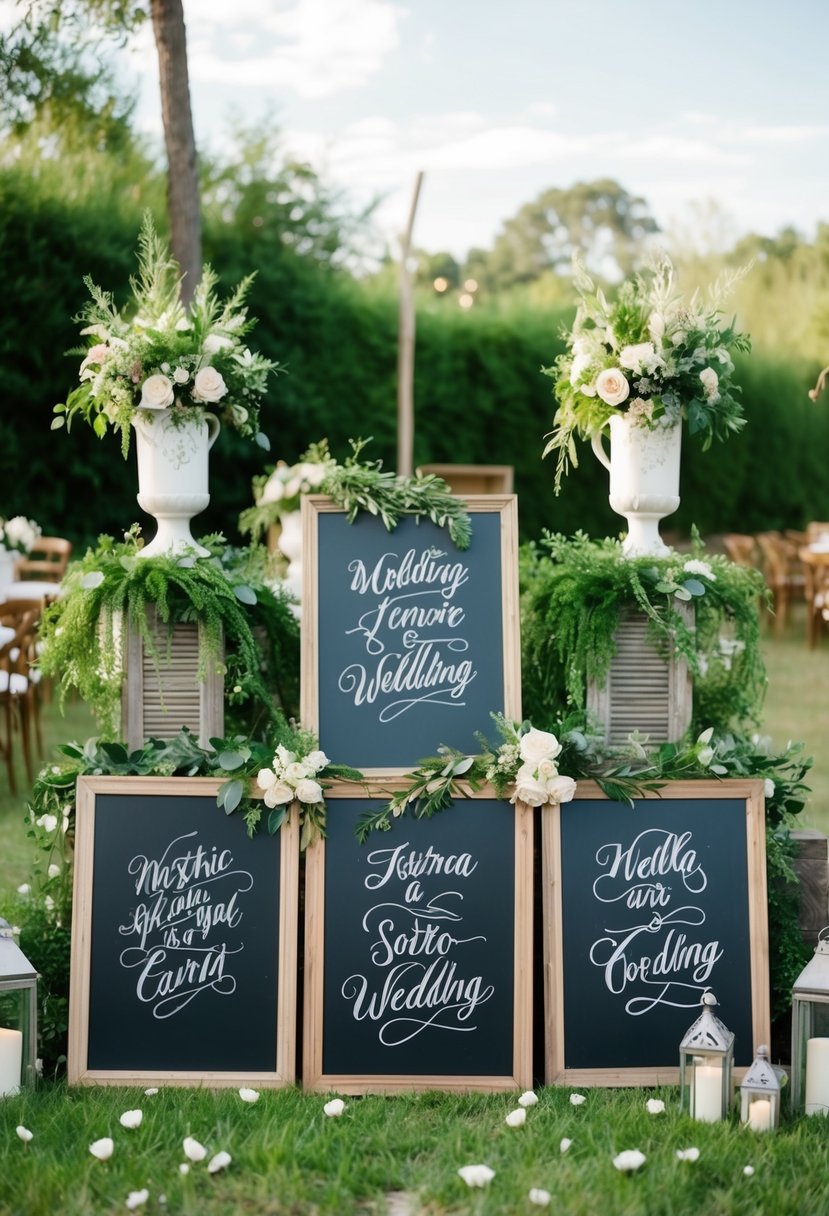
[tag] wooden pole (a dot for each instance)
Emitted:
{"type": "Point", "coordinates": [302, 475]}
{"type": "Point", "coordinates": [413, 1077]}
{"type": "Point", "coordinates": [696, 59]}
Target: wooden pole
{"type": "Point", "coordinates": [406, 348]}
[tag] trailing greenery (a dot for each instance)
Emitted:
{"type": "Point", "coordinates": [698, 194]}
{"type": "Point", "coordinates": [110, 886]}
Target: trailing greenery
{"type": "Point", "coordinates": [575, 592]}
{"type": "Point", "coordinates": [111, 584]}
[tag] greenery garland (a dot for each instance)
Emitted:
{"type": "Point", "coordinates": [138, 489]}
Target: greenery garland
{"type": "Point", "coordinates": [358, 485]}
{"type": "Point", "coordinates": [225, 593]}
{"type": "Point", "coordinates": [574, 595]}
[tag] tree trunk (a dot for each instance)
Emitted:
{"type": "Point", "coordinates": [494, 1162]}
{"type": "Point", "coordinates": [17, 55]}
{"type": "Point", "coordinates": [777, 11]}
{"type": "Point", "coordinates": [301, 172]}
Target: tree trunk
{"type": "Point", "coordinates": [177, 117]}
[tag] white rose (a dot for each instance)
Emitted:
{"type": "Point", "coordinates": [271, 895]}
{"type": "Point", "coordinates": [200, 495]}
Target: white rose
{"type": "Point", "coordinates": [710, 381]}
{"type": "Point", "coordinates": [578, 367]}
{"type": "Point", "coordinates": [296, 771]}
{"type": "Point", "coordinates": [265, 778]}
{"type": "Point", "coordinates": [612, 386]}
{"type": "Point", "coordinates": [181, 375]}
{"type": "Point", "coordinates": [529, 791]}
{"type": "Point", "coordinates": [209, 385]}
{"type": "Point", "coordinates": [635, 357]}
{"type": "Point", "coordinates": [156, 393]}
{"type": "Point", "coordinates": [278, 794]}
{"type": "Point", "coordinates": [215, 342]}
{"type": "Point", "coordinates": [308, 790]}
{"type": "Point", "coordinates": [538, 745]}
{"type": "Point", "coordinates": [316, 760]}
{"type": "Point", "coordinates": [273, 489]}
{"type": "Point", "coordinates": [546, 770]}
{"type": "Point", "coordinates": [656, 326]}
{"type": "Point", "coordinates": [560, 789]}
{"type": "Point", "coordinates": [315, 474]}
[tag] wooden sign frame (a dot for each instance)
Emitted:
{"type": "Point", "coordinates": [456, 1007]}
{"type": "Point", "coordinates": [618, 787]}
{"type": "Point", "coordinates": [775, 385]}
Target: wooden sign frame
{"type": "Point", "coordinates": [505, 505]}
{"type": "Point", "coordinates": [748, 791]}
{"type": "Point", "coordinates": [314, 1076]}
{"type": "Point", "coordinates": [83, 912]}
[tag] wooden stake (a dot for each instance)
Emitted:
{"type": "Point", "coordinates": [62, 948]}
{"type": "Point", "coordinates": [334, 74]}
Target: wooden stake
{"type": "Point", "coordinates": [405, 348]}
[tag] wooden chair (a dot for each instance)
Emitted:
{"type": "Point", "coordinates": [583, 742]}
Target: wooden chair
{"type": "Point", "coordinates": [18, 687]}
{"type": "Point", "coordinates": [47, 560]}
{"type": "Point", "coordinates": [783, 573]}
{"type": "Point", "coordinates": [816, 531]}
{"type": "Point", "coordinates": [741, 549]}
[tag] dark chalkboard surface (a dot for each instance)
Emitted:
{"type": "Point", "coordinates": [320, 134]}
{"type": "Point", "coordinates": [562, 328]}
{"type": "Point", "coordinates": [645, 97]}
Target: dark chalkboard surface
{"type": "Point", "coordinates": [408, 642]}
{"type": "Point", "coordinates": [417, 950]}
{"type": "Point", "coordinates": [182, 938]}
{"type": "Point", "coordinates": [647, 908]}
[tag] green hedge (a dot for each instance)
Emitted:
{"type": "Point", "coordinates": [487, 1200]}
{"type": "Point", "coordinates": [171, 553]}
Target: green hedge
{"type": "Point", "coordinates": [479, 394]}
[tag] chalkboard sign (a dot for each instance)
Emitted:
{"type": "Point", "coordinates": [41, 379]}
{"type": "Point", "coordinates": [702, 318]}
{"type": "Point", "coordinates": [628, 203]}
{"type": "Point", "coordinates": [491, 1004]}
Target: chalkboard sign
{"type": "Point", "coordinates": [183, 939]}
{"type": "Point", "coordinates": [644, 909]}
{"type": "Point", "coordinates": [408, 642]}
{"type": "Point", "coordinates": [418, 950]}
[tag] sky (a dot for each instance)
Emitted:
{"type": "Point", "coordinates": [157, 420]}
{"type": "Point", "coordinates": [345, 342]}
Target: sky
{"type": "Point", "coordinates": [715, 111]}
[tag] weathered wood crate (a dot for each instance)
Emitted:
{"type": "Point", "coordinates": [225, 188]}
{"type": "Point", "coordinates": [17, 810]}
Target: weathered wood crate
{"type": "Point", "coordinates": [644, 691]}
{"type": "Point", "coordinates": [163, 692]}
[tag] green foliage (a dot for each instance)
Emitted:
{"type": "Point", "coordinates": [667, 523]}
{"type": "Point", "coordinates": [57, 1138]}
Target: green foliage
{"type": "Point", "coordinates": [112, 583]}
{"type": "Point", "coordinates": [573, 600]}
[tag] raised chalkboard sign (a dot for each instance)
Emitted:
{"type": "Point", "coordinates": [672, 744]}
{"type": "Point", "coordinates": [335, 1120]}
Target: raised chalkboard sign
{"type": "Point", "coordinates": [418, 950]}
{"type": "Point", "coordinates": [183, 939]}
{"type": "Point", "coordinates": [644, 909]}
{"type": "Point", "coordinates": [408, 642]}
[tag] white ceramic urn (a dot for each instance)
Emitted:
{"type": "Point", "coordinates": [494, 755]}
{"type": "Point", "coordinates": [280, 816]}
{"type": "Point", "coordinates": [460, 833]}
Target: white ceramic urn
{"type": "Point", "coordinates": [173, 476]}
{"type": "Point", "coordinates": [644, 479]}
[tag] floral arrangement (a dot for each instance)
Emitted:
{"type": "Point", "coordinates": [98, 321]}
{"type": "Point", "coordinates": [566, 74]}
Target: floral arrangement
{"type": "Point", "coordinates": [525, 763]}
{"type": "Point", "coordinates": [19, 533]}
{"type": "Point", "coordinates": [292, 778]}
{"type": "Point", "coordinates": [648, 355]}
{"type": "Point", "coordinates": [160, 356]}
{"type": "Point", "coordinates": [358, 485]}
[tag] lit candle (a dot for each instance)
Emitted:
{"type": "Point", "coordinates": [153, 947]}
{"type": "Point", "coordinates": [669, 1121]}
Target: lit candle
{"type": "Point", "coordinates": [759, 1115]}
{"type": "Point", "coordinates": [817, 1077]}
{"type": "Point", "coordinates": [708, 1093]}
{"type": "Point", "coordinates": [11, 1059]}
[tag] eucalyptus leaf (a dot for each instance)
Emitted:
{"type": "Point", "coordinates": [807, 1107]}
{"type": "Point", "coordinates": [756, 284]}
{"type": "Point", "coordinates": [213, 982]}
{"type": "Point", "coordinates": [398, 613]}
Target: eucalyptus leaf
{"type": "Point", "coordinates": [262, 440]}
{"type": "Point", "coordinates": [276, 819]}
{"type": "Point", "coordinates": [694, 586]}
{"type": "Point", "coordinates": [463, 766]}
{"type": "Point", "coordinates": [231, 760]}
{"type": "Point", "coordinates": [665, 588]}
{"type": "Point", "coordinates": [231, 795]}
{"type": "Point", "coordinates": [681, 594]}
{"type": "Point", "coordinates": [245, 594]}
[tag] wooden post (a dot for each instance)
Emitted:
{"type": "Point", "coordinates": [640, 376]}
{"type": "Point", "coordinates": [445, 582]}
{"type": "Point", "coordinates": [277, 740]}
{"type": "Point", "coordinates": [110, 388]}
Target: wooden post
{"type": "Point", "coordinates": [405, 349]}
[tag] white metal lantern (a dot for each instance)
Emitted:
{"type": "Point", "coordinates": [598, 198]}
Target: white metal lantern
{"type": "Point", "coordinates": [810, 1033]}
{"type": "Point", "coordinates": [18, 1015]}
{"type": "Point", "coordinates": [706, 1056]}
{"type": "Point", "coordinates": [760, 1094]}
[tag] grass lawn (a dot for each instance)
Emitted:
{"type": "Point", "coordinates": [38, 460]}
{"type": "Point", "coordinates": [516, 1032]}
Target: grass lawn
{"type": "Point", "coordinates": [398, 1155]}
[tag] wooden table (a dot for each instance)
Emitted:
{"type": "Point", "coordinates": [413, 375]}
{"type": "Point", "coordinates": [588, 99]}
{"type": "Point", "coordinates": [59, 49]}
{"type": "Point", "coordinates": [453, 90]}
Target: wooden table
{"type": "Point", "coordinates": [815, 561]}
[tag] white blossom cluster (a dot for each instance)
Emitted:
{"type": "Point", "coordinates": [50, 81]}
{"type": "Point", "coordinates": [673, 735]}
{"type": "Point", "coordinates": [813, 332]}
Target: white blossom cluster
{"type": "Point", "coordinates": [292, 777]}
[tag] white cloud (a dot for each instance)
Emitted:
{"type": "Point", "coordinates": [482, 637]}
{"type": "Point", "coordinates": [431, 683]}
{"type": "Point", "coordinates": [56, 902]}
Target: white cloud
{"type": "Point", "coordinates": [784, 134]}
{"type": "Point", "coordinates": [678, 148]}
{"type": "Point", "coordinates": [315, 48]}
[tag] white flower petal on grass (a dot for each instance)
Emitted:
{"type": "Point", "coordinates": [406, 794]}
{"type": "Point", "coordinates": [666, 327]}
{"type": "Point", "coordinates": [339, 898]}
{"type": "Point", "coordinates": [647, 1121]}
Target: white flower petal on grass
{"type": "Point", "coordinates": [516, 1118]}
{"type": "Point", "coordinates": [131, 1118]}
{"type": "Point", "coordinates": [23, 889]}
{"type": "Point", "coordinates": [53, 871]}
{"type": "Point", "coordinates": [152, 1090]}
{"type": "Point", "coordinates": [249, 1095]}
{"type": "Point", "coordinates": [220, 1162]}
{"type": "Point", "coordinates": [193, 1150]}
{"type": "Point", "coordinates": [136, 1199]}
{"type": "Point", "coordinates": [748, 1170]}
{"type": "Point", "coordinates": [334, 1108]}
{"type": "Point", "coordinates": [655, 1106]}
{"type": "Point", "coordinates": [630, 1159]}
{"type": "Point", "coordinates": [577, 1099]}
{"type": "Point", "coordinates": [24, 1134]}
{"type": "Point", "coordinates": [528, 1098]}
{"type": "Point", "coordinates": [476, 1175]}
{"type": "Point", "coordinates": [687, 1154]}
{"type": "Point", "coordinates": [184, 1168]}
{"type": "Point", "coordinates": [102, 1149]}
{"type": "Point", "coordinates": [539, 1197]}
{"type": "Point", "coordinates": [564, 1144]}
